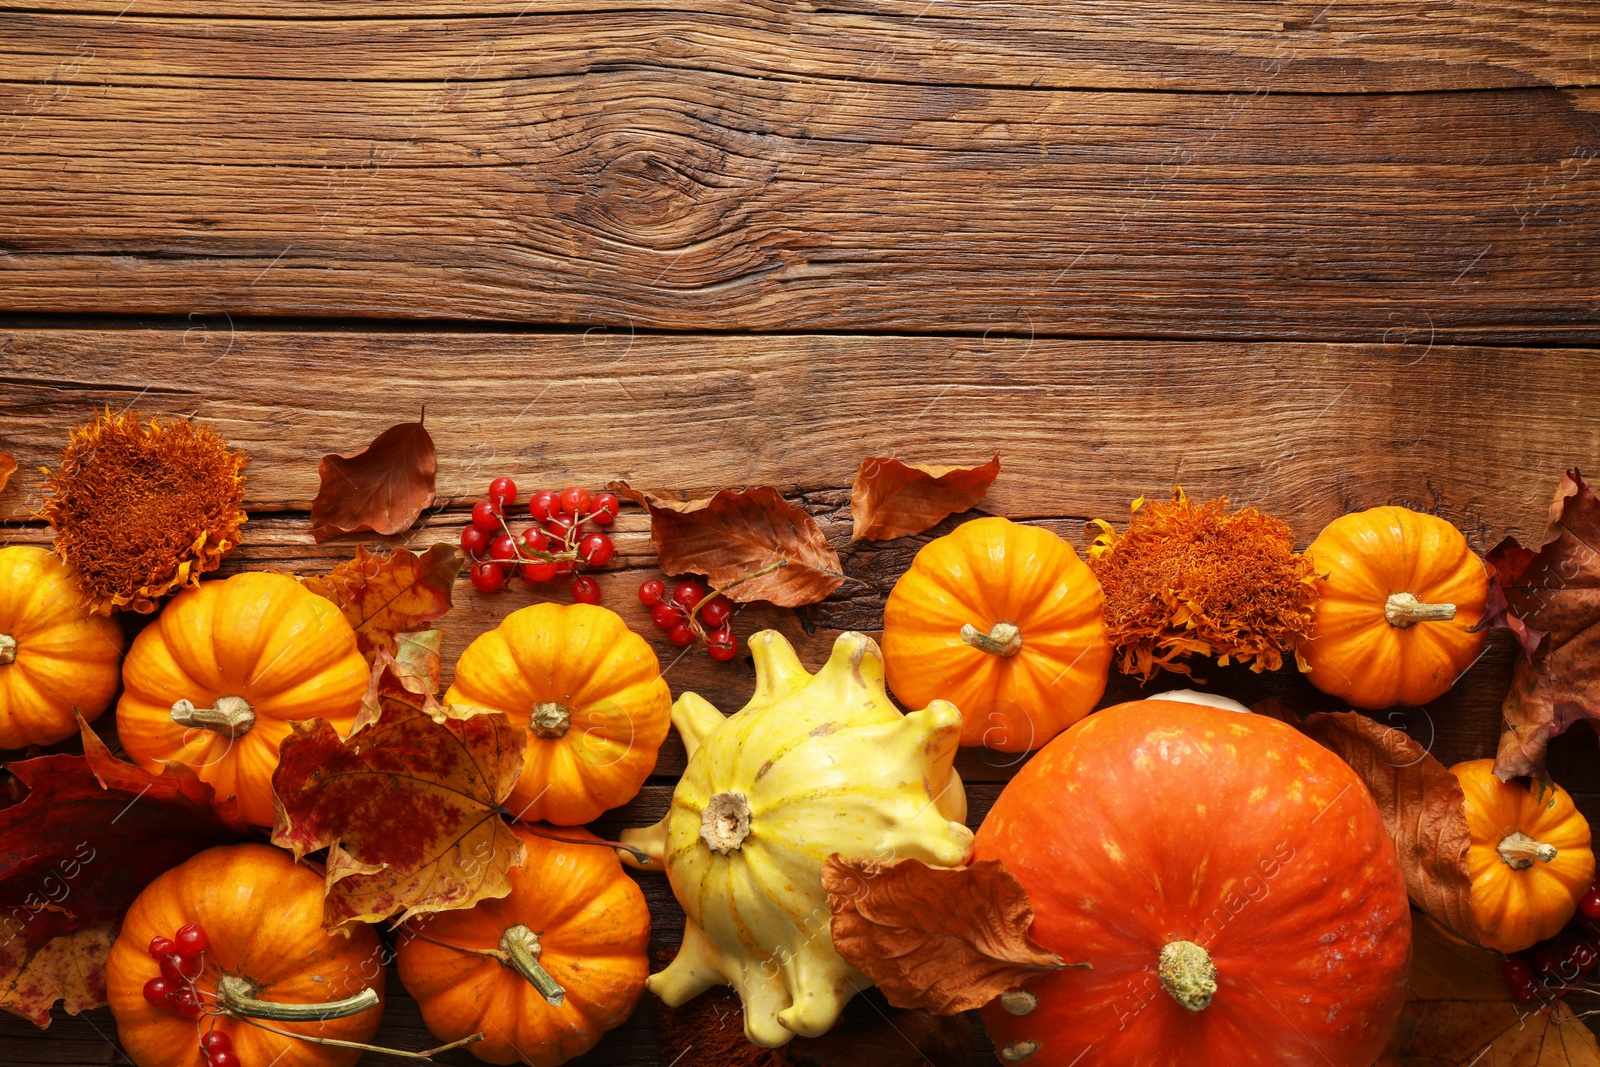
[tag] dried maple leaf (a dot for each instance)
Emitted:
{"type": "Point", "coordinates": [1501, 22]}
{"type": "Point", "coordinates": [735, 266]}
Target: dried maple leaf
{"type": "Point", "coordinates": [70, 969]}
{"type": "Point", "coordinates": [408, 807]}
{"type": "Point", "coordinates": [736, 533]}
{"type": "Point", "coordinates": [382, 488]}
{"type": "Point", "coordinates": [8, 467]}
{"type": "Point", "coordinates": [1459, 1013]}
{"type": "Point", "coordinates": [892, 499]}
{"type": "Point", "coordinates": [385, 594]}
{"type": "Point", "coordinates": [1423, 809]}
{"type": "Point", "coordinates": [944, 939]}
{"type": "Point", "coordinates": [1552, 602]}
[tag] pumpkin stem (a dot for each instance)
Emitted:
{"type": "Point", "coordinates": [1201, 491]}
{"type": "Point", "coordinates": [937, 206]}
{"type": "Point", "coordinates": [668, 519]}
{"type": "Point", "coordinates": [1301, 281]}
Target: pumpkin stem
{"type": "Point", "coordinates": [1404, 609]}
{"type": "Point", "coordinates": [1004, 639]}
{"type": "Point", "coordinates": [550, 720]}
{"type": "Point", "coordinates": [1518, 850]}
{"type": "Point", "coordinates": [230, 716]}
{"type": "Point", "coordinates": [520, 948]}
{"type": "Point", "coordinates": [8, 649]}
{"type": "Point", "coordinates": [1187, 974]}
{"type": "Point", "coordinates": [726, 822]}
{"type": "Point", "coordinates": [236, 996]}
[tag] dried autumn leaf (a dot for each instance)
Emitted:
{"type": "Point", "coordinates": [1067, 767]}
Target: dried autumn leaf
{"type": "Point", "coordinates": [1459, 1013]}
{"type": "Point", "coordinates": [892, 499]}
{"type": "Point", "coordinates": [408, 808]}
{"type": "Point", "coordinates": [736, 533]}
{"type": "Point", "coordinates": [70, 969]}
{"type": "Point", "coordinates": [944, 939]}
{"type": "Point", "coordinates": [1552, 602]}
{"type": "Point", "coordinates": [385, 594]}
{"type": "Point", "coordinates": [382, 488]}
{"type": "Point", "coordinates": [8, 467]}
{"type": "Point", "coordinates": [904, 1039]}
{"type": "Point", "coordinates": [1422, 806]}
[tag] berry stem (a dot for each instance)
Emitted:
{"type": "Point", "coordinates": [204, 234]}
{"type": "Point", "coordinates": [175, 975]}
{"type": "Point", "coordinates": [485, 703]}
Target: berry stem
{"type": "Point", "coordinates": [426, 1054]}
{"type": "Point", "coordinates": [695, 611]}
{"type": "Point", "coordinates": [536, 556]}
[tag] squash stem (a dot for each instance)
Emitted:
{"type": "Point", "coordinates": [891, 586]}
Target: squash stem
{"type": "Point", "coordinates": [426, 1054]}
{"type": "Point", "coordinates": [1004, 639]}
{"type": "Point", "coordinates": [550, 720]}
{"type": "Point", "coordinates": [1404, 609]}
{"type": "Point", "coordinates": [230, 716]}
{"type": "Point", "coordinates": [1519, 851]}
{"type": "Point", "coordinates": [1187, 974]}
{"type": "Point", "coordinates": [521, 948]}
{"type": "Point", "coordinates": [8, 649]}
{"type": "Point", "coordinates": [236, 996]}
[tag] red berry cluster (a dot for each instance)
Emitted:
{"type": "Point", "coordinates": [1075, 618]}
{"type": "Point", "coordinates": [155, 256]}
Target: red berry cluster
{"type": "Point", "coordinates": [554, 545]}
{"type": "Point", "coordinates": [1550, 967]}
{"type": "Point", "coordinates": [692, 611]}
{"type": "Point", "coordinates": [180, 957]}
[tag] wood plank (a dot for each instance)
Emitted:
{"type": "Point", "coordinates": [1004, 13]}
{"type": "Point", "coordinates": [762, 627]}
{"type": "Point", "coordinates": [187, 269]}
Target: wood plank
{"type": "Point", "coordinates": [695, 198]}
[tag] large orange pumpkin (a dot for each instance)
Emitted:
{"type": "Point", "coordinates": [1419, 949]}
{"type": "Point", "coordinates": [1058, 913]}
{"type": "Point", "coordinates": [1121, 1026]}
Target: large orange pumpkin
{"type": "Point", "coordinates": [1005, 622]}
{"type": "Point", "coordinates": [262, 915]}
{"type": "Point", "coordinates": [1402, 596]}
{"type": "Point", "coordinates": [1228, 880]}
{"type": "Point", "coordinates": [219, 679]}
{"type": "Point", "coordinates": [591, 693]}
{"type": "Point", "coordinates": [55, 657]}
{"type": "Point", "coordinates": [544, 971]}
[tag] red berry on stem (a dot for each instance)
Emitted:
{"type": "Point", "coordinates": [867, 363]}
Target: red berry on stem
{"type": "Point", "coordinates": [560, 526]}
{"type": "Point", "coordinates": [534, 539]}
{"type": "Point", "coordinates": [680, 634]}
{"type": "Point", "coordinates": [175, 969]}
{"type": "Point", "coordinates": [485, 515]}
{"type": "Point", "coordinates": [487, 577]}
{"type": "Point", "coordinates": [162, 946]}
{"type": "Point", "coordinates": [586, 591]}
{"type": "Point", "coordinates": [596, 549]}
{"type": "Point", "coordinates": [502, 491]}
{"type": "Point", "coordinates": [1547, 962]}
{"type": "Point", "coordinates": [722, 644]}
{"type": "Point", "coordinates": [688, 594]}
{"type": "Point", "coordinates": [651, 591]}
{"type": "Point", "coordinates": [157, 990]}
{"type": "Point", "coordinates": [191, 941]}
{"type": "Point", "coordinates": [1516, 969]}
{"type": "Point", "coordinates": [1590, 904]}
{"type": "Point", "coordinates": [603, 509]}
{"type": "Point", "coordinates": [474, 539]}
{"type": "Point", "coordinates": [543, 504]}
{"type": "Point", "coordinates": [542, 571]}
{"type": "Point", "coordinates": [502, 547]}
{"type": "Point", "coordinates": [716, 611]}
{"type": "Point", "coordinates": [222, 1058]}
{"type": "Point", "coordinates": [217, 1041]}
{"type": "Point", "coordinates": [1581, 957]}
{"type": "Point", "coordinates": [185, 1006]}
{"type": "Point", "coordinates": [665, 615]}
{"type": "Point", "coordinates": [1524, 991]}
{"type": "Point", "coordinates": [575, 500]}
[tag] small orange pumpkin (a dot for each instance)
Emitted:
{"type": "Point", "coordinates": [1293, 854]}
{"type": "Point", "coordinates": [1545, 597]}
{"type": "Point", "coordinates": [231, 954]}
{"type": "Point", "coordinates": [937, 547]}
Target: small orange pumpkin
{"type": "Point", "coordinates": [55, 657]}
{"type": "Point", "coordinates": [591, 692]}
{"type": "Point", "coordinates": [1006, 623]}
{"type": "Point", "coordinates": [267, 957]}
{"type": "Point", "coordinates": [1401, 596]}
{"type": "Point", "coordinates": [219, 679]}
{"type": "Point", "coordinates": [542, 972]}
{"type": "Point", "coordinates": [1530, 858]}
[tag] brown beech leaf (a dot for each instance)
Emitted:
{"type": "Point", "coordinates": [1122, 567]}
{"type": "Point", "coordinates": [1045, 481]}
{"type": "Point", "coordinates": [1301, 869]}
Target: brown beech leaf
{"type": "Point", "coordinates": [384, 594]}
{"type": "Point", "coordinates": [1422, 806]}
{"type": "Point", "coordinates": [904, 1039]}
{"type": "Point", "coordinates": [382, 488]}
{"type": "Point", "coordinates": [408, 807]}
{"type": "Point", "coordinates": [1552, 603]}
{"type": "Point", "coordinates": [892, 499]}
{"type": "Point", "coordinates": [1459, 1013]}
{"type": "Point", "coordinates": [736, 533]}
{"type": "Point", "coordinates": [943, 939]}
{"type": "Point", "coordinates": [70, 969]}
{"type": "Point", "coordinates": [8, 467]}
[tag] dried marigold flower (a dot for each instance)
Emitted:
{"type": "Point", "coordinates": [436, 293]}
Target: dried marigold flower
{"type": "Point", "coordinates": [139, 510]}
{"type": "Point", "coordinates": [1187, 579]}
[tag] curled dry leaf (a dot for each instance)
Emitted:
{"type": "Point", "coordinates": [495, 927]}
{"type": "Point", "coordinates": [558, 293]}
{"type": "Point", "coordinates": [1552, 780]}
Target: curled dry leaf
{"type": "Point", "coordinates": [8, 467]}
{"type": "Point", "coordinates": [70, 969]}
{"type": "Point", "coordinates": [1552, 603]}
{"type": "Point", "coordinates": [386, 594]}
{"type": "Point", "coordinates": [1459, 1013]}
{"type": "Point", "coordinates": [408, 807]}
{"type": "Point", "coordinates": [1422, 806]}
{"type": "Point", "coordinates": [945, 939]}
{"type": "Point", "coordinates": [382, 488]}
{"type": "Point", "coordinates": [892, 499]}
{"type": "Point", "coordinates": [737, 533]}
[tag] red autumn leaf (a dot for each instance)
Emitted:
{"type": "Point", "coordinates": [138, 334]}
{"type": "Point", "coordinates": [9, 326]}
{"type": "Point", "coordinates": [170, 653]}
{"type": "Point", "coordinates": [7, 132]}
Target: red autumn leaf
{"type": "Point", "coordinates": [91, 833]}
{"type": "Point", "coordinates": [892, 499]}
{"type": "Point", "coordinates": [382, 488]}
{"type": "Point", "coordinates": [70, 969]}
{"type": "Point", "coordinates": [737, 533]}
{"type": "Point", "coordinates": [8, 467]}
{"type": "Point", "coordinates": [1552, 603]}
{"type": "Point", "coordinates": [408, 807]}
{"type": "Point", "coordinates": [385, 594]}
{"type": "Point", "coordinates": [944, 939]}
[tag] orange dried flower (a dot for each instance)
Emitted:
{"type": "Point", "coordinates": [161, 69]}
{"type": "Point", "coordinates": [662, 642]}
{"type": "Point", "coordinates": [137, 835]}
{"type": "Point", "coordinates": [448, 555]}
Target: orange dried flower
{"type": "Point", "coordinates": [1187, 579]}
{"type": "Point", "coordinates": [139, 510]}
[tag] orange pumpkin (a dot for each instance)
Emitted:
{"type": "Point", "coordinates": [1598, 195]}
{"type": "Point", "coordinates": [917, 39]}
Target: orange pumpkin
{"type": "Point", "coordinates": [1401, 596]}
{"type": "Point", "coordinates": [267, 957]}
{"type": "Point", "coordinates": [219, 679]}
{"type": "Point", "coordinates": [1530, 858]}
{"type": "Point", "coordinates": [55, 657]}
{"type": "Point", "coordinates": [1005, 622]}
{"type": "Point", "coordinates": [542, 972]}
{"type": "Point", "coordinates": [591, 692]}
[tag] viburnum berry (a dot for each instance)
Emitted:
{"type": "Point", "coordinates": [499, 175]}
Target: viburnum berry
{"type": "Point", "coordinates": [560, 526]}
{"type": "Point", "coordinates": [1547, 962]}
{"type": "Point", "coordinates": [185, 1005]}
{"type": "Point", "coordinates": [651, 591]}
{"type": "Point", "coordinates": [575, 500]}
{"type": "Point", "coordinates": [485, 515]}
{"type": "Point", "coordinates": [543, 504]}
{"type": "Point", "coordinates": [715, 612]}
{"type": "Point", "coordinates": [1581, 957]}
{"type": "Point", "coordinates": [721, 644]}
{"type": "Point", "coordinates": [162, 946]}
{"type": "Point", "coordinates": [1524, 991]}
{"type": "Point", "coordinates": [603, 509]}
{"type": "Point", "coordinates": [586, 590]}
{"type": "Point", "coordinates": [487, 577]}
{"type": "Point", "coordinates": [534, 539]}
{"type": "Point", "coordinates": [1516, 969]}
{"type": "Point", "coordinates": [541, 571]}
{"type": "Point", "coordinates": [191, 940]}
{"type": "Point", "coordinates": [665, 615]}
{"type": "Point", "coordinates": [222, 1058]}
{"type": "Point", "coordinates": [216, 1041]}
{"type": "Point", "coordinates": [681, 634]}
{"type": "Point", "coordinates": [474, 539]}
{"type": "Point", "coordinates": [502, 548]}
{"type": "Point", "coordinates": [1590, 904]}
{"type": "Point", "coordinates": [688, 594]}
{"type": "Point", "coordinates": [502, 491]}
{"type": "Point", "coordinates": [596, 549]}
{"type": "Point", "coordinates": [157, 990]}
{"type": "Point", "coordinates": [175, 969]}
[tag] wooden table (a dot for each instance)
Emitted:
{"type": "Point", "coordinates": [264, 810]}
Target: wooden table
{"type": "Point", "coordinates": [1315, 256]}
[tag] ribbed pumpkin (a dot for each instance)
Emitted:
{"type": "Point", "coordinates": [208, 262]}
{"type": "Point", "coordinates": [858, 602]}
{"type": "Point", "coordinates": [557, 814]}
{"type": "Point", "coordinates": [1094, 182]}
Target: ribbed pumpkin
{"type": "Point", "coordinates": [1401, 595]}
{"type": "Point", "coordinates": [1004, 621]}
{"type": "Point", "coordinates": [262, 914]}
{"type": "Point", "coordinates": [55, 658]}
{"type": "Point", "coordinates": [1530, 858]}
{"type": "Point", "coordinates": [591, 692]}
{"type": "Point", "coordinates": [217, 681]}
{"type": "Point", "coordinates": [1229, 881]}
{"type": "Point", "coordinates": [542, 972]}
